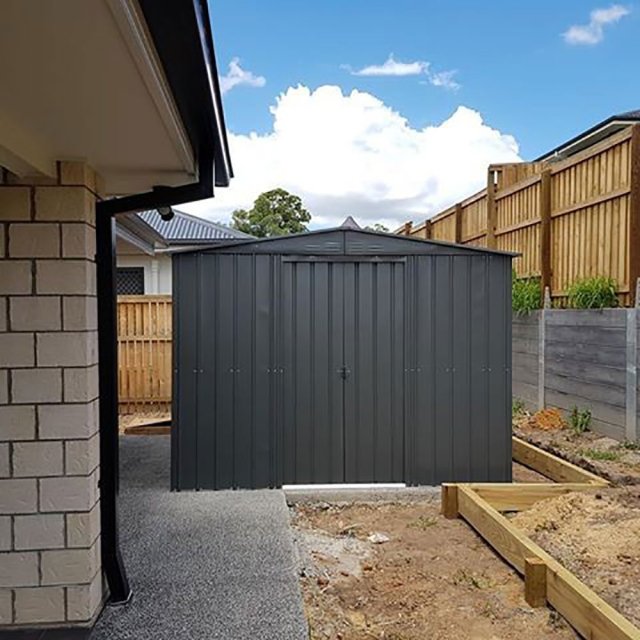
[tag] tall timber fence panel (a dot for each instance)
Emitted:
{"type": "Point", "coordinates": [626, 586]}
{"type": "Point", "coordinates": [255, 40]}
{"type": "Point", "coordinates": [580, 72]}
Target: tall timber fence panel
{"type": "Point", "coordinates": [569, 219]}
{"type": "Point", "coordinates": [144, 354]}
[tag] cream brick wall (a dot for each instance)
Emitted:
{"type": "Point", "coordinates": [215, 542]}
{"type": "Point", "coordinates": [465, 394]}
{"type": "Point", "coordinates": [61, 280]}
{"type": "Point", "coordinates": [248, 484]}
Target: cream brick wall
{"type": "Point", "coordinates": [5, 533]}
{"type": "Point", "coordinates": [39, 531]}
{"type": "Point", "coordinates": [50, 568]}
{"type": "Point", "coordinates": [5, 467]}
{"type": "Point", "coordinates": [35, 313]}
{"type": "Point", "coordinates": [32, 240]}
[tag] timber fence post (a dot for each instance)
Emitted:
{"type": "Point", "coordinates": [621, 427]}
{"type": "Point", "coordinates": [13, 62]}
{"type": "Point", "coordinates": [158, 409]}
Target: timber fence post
{"type": "Point", "coordinates": [633, 238]}
{"type": "Point", "coordinates": [545, 229]}
{"type": "Point", "coordinates": [458, 223]}
{"type": "Point", "coordinates": [491, 208]}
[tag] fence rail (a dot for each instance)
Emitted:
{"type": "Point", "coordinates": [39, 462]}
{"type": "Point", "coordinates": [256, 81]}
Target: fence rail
{"type": "Point", "coordinates": [568, 219]}
{"type": "Point", "coordinates": [144, 354]}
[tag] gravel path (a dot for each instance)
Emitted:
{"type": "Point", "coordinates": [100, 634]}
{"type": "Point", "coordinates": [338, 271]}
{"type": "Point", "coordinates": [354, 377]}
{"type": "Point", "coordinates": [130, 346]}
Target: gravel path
{"type": "Point", "coordinates": [203, 565]}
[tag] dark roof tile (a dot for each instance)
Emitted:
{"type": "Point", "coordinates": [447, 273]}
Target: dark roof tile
{"type": "Point", "coordinates": [184, 228]}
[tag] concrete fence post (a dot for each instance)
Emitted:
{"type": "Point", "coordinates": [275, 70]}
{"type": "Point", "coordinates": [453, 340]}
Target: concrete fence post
{"type": "Point", "coordinates": [542, 318]}
{"type": "Point", "coordinates": [631, 396]}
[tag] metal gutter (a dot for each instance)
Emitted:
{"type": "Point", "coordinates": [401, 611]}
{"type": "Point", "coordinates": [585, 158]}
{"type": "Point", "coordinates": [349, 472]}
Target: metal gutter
{"type": "Point", "coordinates": [181, 33]}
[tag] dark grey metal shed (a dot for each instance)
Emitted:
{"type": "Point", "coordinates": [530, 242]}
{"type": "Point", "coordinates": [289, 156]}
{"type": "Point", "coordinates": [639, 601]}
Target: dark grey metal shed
{"type": "Point", "coordinates": [341, 356]}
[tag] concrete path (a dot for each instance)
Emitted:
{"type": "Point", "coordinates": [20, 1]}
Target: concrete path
{"type": "Point", "coordinates": [203, 566]}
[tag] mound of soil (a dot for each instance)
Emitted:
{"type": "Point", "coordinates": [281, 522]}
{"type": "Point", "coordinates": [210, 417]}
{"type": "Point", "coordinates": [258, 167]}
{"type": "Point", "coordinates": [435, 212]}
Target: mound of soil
{"type": "Point", "coordinates": [596, 535]}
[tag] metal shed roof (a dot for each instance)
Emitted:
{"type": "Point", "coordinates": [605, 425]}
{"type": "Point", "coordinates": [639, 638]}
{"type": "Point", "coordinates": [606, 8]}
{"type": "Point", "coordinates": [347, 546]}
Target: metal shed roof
{"type": "Point", "coordinates": [347, 241]}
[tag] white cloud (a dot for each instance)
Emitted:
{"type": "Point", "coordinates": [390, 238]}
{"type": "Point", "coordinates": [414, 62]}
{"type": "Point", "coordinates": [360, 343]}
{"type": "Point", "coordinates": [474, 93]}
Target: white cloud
{"type": "Point", "coordinates": [354, 155]}
{"type": "Point", "coordinates": [392, 67]}
{"type": "Point", "coordinates": [593, 33]}
{"type": "Point", "coordinates": [237, 76]}
{"type": "Point", "coordinates": [444, 79]}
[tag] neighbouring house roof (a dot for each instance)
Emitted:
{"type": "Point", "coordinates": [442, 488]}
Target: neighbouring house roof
{"type": "Point", "coordinates": [133, 230]}
{"type": "Point", "coordinates": [186, 229]}
{"type": "Point", "coordinates": [598, 132]}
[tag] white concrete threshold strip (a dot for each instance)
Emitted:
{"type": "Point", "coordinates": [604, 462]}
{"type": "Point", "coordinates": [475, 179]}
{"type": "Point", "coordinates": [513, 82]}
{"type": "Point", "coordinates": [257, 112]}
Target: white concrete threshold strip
{"type": "Point", "coordinates": [364, 486]}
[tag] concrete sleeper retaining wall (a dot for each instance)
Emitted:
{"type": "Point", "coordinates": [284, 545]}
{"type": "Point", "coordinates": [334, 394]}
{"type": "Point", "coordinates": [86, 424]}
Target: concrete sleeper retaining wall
{"type": "Point", "coordinates": [585, 358]}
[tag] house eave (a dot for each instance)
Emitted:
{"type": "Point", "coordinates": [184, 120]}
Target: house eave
{"type": "Point", "coordinates": [587, 139]}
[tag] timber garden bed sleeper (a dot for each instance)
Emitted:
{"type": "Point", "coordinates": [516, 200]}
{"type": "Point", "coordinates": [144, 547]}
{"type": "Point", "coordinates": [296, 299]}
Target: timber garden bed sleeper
{"type": "Point", "coordinates": [484, 505]}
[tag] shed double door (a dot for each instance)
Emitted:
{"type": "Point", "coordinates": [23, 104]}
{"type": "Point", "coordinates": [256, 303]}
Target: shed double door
{"type": "Point", "coordinates": [342, 354]}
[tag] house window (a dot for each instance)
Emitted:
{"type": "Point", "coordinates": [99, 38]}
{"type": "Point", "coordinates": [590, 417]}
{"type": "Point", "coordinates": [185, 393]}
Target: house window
{"type": "Point", "coordinates": [130, 281]}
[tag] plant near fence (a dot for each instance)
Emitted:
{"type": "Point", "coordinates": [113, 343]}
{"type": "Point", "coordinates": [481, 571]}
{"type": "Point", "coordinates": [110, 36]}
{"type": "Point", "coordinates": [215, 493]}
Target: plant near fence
{"type": "Point", "coordinates": [598, 292]}
{"type": "Point", "coordinates": [579, 420]}
{"type": "Point", "coordinates": [526, 294]}
{"type": "Point", "coordinates": [517, 407]}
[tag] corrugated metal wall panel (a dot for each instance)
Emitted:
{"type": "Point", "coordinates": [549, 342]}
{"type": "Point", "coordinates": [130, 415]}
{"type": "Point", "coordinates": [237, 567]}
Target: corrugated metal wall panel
{"type": "Point", "coordinates": [461, 360]}
{"type": "Point", "coordinates": [499, 368]}
{"type": "Point", "coordinates": [374, 387]}
{"type": "Point", "coordinates": [479, 346]}
{"type": "Point", "coordinates": [313, 302]}
{"type": "Point", "coordinates": [185, 399]}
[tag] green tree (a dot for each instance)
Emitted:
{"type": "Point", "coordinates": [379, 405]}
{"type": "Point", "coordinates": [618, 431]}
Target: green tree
{"type": "Point", "coordinates": [274, 213]}
{"type": "Point", "coordinates": [380, 228]}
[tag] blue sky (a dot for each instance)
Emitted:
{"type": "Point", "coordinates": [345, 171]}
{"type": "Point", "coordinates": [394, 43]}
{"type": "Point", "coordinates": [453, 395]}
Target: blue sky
{"type": "Point", "coordinates": [514, 62]}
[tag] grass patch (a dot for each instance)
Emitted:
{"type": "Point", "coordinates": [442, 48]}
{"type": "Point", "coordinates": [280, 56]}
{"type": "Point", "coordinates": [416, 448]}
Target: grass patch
{"type": "Point", "coordinates": [595, 454]}
{"type": "Point", "coordinates": [470, 579]}
{"type": "Point", "coordinates": [526, 295]}
{"type": "Point", "coordinates": [423, 522]}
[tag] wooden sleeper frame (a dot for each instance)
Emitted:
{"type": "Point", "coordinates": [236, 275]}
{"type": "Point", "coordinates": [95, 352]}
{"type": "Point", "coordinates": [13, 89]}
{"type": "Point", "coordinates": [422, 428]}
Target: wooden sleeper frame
{"type": "Point", "coordinates": [546, 580]}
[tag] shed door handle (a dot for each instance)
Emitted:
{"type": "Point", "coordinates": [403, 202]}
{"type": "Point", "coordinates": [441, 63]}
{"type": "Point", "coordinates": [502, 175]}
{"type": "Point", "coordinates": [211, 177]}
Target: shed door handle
{"type": "Point", "coordinates": [344, 372]}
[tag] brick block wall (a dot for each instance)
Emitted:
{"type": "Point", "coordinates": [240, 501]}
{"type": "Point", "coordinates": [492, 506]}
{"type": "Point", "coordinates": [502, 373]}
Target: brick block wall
{"type": "Point", "coordinates": [50, 568]}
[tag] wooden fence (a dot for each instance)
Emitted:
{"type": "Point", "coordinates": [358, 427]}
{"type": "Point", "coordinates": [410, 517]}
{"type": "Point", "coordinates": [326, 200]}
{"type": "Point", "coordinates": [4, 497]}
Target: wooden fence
{"type": "Point", "coordinates": [568, 219]}
{"type": "Point", "coordinates": [144, 354]}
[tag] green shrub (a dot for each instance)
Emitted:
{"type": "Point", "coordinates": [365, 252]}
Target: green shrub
{"type": "Point", "coordinates": [593, 293]}
{"type": "Point", "coordinates": [526, 294]}
{"type": "Point", "coordinates": [517, 407]}
{"type": "Point", "coordinates": [579, 420]}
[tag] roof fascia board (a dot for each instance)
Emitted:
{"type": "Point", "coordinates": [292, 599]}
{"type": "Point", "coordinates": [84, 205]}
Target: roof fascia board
{"type": "Point", "coordinates": [222, 165]}
{"type": "Point", "coordinates": [133, 239]}
{"type": "Point", "coordinates": [582, 140]}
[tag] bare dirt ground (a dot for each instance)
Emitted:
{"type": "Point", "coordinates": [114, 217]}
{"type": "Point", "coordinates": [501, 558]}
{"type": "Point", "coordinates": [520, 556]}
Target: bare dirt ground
{"type": "Point", "coordinates": [616, 461]}
{"type": "Point", "coordinates": [433, 579]}
{"type": "Point", "coordinates": [524, 474]}
{"type": "Point", "coordinates": [596, 535]}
